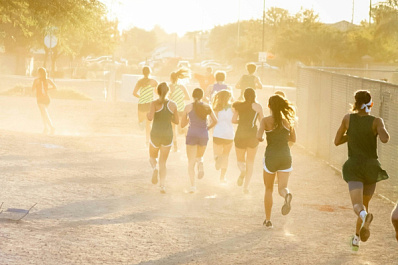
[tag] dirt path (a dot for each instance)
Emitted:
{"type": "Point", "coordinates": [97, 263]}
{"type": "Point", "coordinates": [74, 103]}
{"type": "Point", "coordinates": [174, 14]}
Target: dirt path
{"type": "Point", "coordinates": [96, 204]}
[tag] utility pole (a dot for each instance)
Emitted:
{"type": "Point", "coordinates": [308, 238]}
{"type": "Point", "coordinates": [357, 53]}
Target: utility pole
{"type": "Point", "coordinates": [353, 9]}
{"type": "Point", "coordinates": [370, 11]}
{"type": "Point", "coordinates": [263, 25]}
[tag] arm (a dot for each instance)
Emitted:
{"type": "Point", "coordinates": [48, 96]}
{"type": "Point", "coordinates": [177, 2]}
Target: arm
{"type": "Point", "coordinates": [184, 118]}
{"type": "Point", "coordinates": [186, 95]}
{"type": "Point", "coordinates": [213, 119]}
{"type": "Point", "coordinates": [173, 108]}
{"type": "Point", "coordinates": [382, 131]}
{"type": "Point", "coordinates": [260, 132]}
{"type": "Point", "coordinates": [237, 86]}
{"type": "Point", "coordinates": [151, 114]}
{"type": "Point", "coordinates": [235, 118]}
{"type": "Point", "coordinates": [341, 136]}
{"type": "Point", "coordinates": [136, 88]}
{"type": "Point", "coordinates": [52, 84]}
{"type": "Point", "coordinates": [292, 136]}
{"type": "Point", "coordinates": [259, 110]}
{"type": "Point", "coordinates": [258, 83]}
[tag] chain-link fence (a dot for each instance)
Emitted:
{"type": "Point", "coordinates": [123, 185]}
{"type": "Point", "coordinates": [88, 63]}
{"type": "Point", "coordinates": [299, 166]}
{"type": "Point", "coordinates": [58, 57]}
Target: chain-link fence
{"type": "Point", "coordinates": [323, 98]}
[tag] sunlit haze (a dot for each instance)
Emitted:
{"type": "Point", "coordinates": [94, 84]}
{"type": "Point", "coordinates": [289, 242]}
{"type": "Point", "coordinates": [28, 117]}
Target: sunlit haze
{"type": "Point", "coordinates": [191, 15]}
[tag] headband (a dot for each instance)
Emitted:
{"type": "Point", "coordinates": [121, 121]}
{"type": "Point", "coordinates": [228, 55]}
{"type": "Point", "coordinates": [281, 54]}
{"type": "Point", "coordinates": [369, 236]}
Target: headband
{"type": "Point", "coordinates": [367, 106]}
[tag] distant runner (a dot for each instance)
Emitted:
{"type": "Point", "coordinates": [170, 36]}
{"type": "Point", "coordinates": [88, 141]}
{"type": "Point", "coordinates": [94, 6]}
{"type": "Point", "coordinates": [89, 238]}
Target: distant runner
{"type": "Point", "coordinates": [362, 170]}
{"type": "Point", "coordinates": [197, 137]}
{"type": "Point", "coordinates": [144, 90]}
{"type": "Point", "coordinates": [246, 115]}
{"type": "Point", "coordinates": [223, 133]}
{"type": "Point", "coordinates": [162, 112]}
{"type": "Point", "coordinates": [249, 80]}
{"type": "Point", "coordinates": [41, 87]}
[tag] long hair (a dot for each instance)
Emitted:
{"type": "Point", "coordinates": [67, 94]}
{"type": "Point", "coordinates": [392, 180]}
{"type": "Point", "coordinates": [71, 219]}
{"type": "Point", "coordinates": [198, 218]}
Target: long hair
{"type": "Point", "coordinates": [180, 74]}
{"type": "Point", "coordinates": [221, 100]}
{"type": "Point", "coordinates": [250, 98]}
{"type": "Point", "coordinates": [361, 97]}
{"type": "Point", "coordinates": [281, 106]}
{"type": "Point", "coordinates": [162, 90]}
{"type": "Point", "coordinates": [200, 109]}
{"type": "Point", "coordinates": [42, 72]}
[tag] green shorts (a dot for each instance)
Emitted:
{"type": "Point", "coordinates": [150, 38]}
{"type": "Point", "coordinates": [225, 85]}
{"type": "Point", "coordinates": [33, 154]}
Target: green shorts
{"type": "Point", "coordinates": [365, 170]}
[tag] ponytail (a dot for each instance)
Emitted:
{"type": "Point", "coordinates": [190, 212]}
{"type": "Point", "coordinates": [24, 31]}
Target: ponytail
{"type": "Point", "coordinates": [250, 98]}
{"type": "Point", "coordinates": [201, 110]}
{"type": "Point", "coordinates": [162, 90]}
{"type": "Point", "coordinates": [281, 106]}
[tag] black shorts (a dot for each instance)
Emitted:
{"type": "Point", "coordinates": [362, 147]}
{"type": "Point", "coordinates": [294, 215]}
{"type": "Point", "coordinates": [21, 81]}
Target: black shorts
{"type": "Point", "coordinates": [221, 141]}
{"type": "Point", "coordinates": [158, 141]}
{"type": "Point", "coordinates": [144, 107]}
{"type": "Point", "coordinates": [243, 143]}
{"type": "Point", "coordinates": [272, 164]}
{"type": "Point", "coordinates": [365, 170]}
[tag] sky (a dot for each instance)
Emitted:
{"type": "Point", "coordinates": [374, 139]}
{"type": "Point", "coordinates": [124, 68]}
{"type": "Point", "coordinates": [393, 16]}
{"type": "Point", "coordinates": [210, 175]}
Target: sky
{"type": "Point", "coordinates": [181, 16]}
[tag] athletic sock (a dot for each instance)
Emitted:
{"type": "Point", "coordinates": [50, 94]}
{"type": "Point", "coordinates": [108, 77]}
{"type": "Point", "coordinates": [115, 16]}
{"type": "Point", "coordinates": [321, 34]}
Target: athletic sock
{"type": "Point", "coordinates": [363, 214]}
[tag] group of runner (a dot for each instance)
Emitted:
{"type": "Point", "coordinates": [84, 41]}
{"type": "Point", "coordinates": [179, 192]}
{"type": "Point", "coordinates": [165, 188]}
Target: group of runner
{"type": "Point", "coordinates": [358, 129]}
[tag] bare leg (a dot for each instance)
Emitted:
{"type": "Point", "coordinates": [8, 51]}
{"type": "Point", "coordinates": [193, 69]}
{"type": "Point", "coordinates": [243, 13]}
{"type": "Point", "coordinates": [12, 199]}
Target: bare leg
{"type": "Point", "coordinates": [394, 220]}
{"type": "Point", "coordinates": [164, 154]}
{"type": "Point", "coordinates": [48, 125]}
{"type": "Point", "coordinates": [283, 178]}
{"type": "Point", "coordinates": [153, 160]}
{"type": "Point", "coordinates": [200, 151]}
{"type": "Point", "coordinates": [251, 154]}
{"type": "Point", "coordinates": [191, 154]}
{"type": "Point", "coordinates": [224, 162]}
{"type": "Point", "coordinates": [269, 188]}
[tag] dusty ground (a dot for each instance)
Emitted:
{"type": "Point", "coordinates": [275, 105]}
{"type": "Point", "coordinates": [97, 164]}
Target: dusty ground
{"type": "Point", "coordinates": [96, 204]}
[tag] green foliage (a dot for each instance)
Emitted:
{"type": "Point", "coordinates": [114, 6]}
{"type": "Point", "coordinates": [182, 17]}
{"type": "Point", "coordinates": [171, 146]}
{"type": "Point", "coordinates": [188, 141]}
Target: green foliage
{"type": "Point", "coordinates": [137, 44]}
{"type": "Point", "coordinates": [81, 26]}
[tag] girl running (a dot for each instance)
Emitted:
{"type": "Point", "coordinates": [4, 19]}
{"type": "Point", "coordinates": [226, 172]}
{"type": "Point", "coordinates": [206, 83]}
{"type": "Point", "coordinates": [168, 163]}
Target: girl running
{"type": "Point", "coordinates": [218, 86]}
{"type": "Point", "coordinates": [40, 86]}
{"type": "Point", "coordinates": [178, 94]}
{"type": "Point", "coordinates": [362, 169]}
{"type": "Point", "coordinates": [162, 112]}
{"type": "Point", "coordinates": [223, 133]}
{"type": "Point", "coordinates": [144, 90]}
{"type": "Point", "coordinates": [196, 141]}
{"type": "Point", "coordinates": [246, 115]}
{"type": "Point", "coordinates": [279, 129]}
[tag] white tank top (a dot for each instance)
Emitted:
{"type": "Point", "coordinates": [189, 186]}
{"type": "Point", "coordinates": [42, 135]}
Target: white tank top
{"type": "Point", "coordinates": [224, 128]}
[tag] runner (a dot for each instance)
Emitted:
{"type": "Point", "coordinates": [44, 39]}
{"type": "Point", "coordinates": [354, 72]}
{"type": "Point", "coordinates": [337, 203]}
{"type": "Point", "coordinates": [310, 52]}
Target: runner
{"type": "Point", "coordinates": [144, 90]}
{"type": "Point", "coordinates": [362, 169]}
{"type": "Point", "coordinates": [162, 112]}
{"type": "Point", "coordinates": [197, 137]}
{"type": "Point", "coordinates": [218, 86]}
{"type": "Point", "coordinates": [178, 93]}
{"type": "Point", "coordinates": [205, 80]}
{"type": "Point", "coordinates": [394, 220]}
{"type": "Point", "coordinates": [249, 80]}
{"type": "Point", "coordinates": [40, 84]}
{"type": "Point", "coordinates": [223, 133]}
{"type": "Point", "coordinates": [279, 129]}
{"type": "Point", "coordinates": [246, 115]}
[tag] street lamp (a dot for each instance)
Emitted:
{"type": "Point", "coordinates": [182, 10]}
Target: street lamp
{"type": "Point", "coordinates": [263, 25]}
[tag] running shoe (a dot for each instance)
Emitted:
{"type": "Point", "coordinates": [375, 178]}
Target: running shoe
{"type": "Point", "coordinates": [201, 171]}
{"type": "Point", "coordinates": [162, 190]}
{"type": "Point", "coordinates": [364, 233]}
{"type": "Point", "coordinates": [268, 224]}
{"type": "Point", "coordinates": [355, 240]}
{"type": "Point", "coordinates": [155, 176]}
{"type": "Point", "coordinates": [192, 189]}
{"type": "Point", "coordinates": [286, 206]}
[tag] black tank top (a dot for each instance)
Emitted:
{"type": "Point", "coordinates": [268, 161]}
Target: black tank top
{"type": "Point", "coordinates": [362, 142]}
